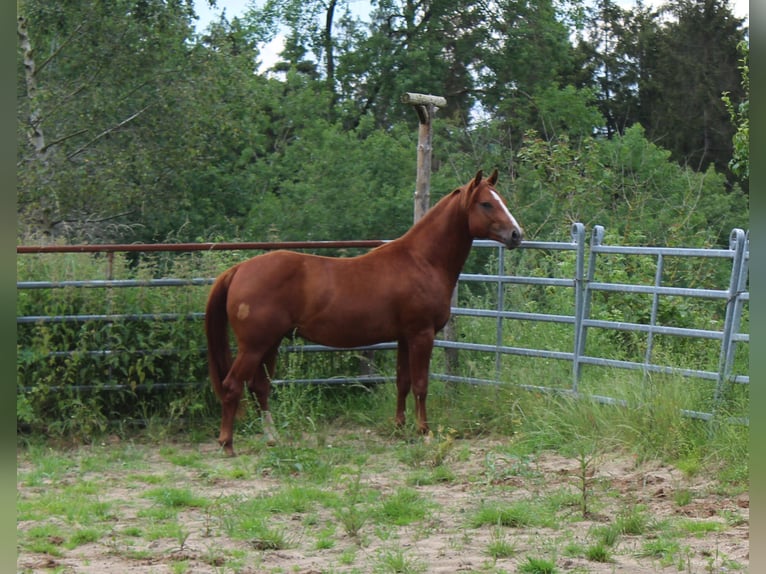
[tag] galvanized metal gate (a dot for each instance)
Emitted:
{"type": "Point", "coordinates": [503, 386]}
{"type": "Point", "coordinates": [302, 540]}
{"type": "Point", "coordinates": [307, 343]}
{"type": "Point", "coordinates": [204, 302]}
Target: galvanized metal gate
{"type": "Point", "coordinates": [583, 284]}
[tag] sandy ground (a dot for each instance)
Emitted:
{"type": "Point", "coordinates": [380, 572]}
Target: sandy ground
{"type": "Point", "coordinates": [443, 542]}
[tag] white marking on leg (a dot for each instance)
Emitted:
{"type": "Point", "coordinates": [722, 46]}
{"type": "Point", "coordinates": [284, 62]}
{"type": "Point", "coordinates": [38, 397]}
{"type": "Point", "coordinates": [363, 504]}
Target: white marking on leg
{"type": "Point", "coordinates": [269, 430]}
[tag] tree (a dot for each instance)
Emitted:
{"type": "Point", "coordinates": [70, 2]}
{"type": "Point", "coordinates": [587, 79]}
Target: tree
{"type": "Point", "coordinates": [694, 62]}
{"type": "Point", "coordinates": [96, 80]}
{"type": "Point", "coordinates": [740, 117]}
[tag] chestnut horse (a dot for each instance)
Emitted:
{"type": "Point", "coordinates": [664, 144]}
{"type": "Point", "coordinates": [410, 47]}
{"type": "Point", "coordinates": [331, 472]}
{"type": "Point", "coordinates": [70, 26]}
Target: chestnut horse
{"type": "Point", "coordinates": [400, 291]}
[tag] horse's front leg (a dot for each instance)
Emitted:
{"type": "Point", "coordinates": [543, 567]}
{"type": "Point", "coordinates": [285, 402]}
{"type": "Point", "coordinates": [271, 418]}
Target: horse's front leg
{"type": "Point", "coordinates": [402, 381]}
{"type": "Point", "coordinates": [419, 348]}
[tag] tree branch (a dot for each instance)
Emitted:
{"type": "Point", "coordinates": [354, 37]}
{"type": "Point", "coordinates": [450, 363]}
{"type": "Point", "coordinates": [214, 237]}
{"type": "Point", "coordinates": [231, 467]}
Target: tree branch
{"type": "Point", "coordinates": [106, 132]}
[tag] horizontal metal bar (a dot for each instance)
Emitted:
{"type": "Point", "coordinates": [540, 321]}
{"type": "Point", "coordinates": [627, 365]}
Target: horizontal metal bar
{"type": "Point", "coordinates": [662, 369]}
{"type": "Point", "coordinates": [116, 318]}
{"type": "Point", "coordinates": [521, 351]}
{"type": "Point", "coordinates": [665, 251]}
{"type": "Point", "coordinates": [110, 283]}
{"type": "Point", "coordinates": [517, 315]}
{"type": "Point", "coordinates": [656, 329]}
{"type": "Point", "coordinates": [517, 280]}
{"type": "Point", "coordinates": [552, 245]}
{"type": "Point", "coordinates": [655, 290]}
{"type": "Point", "coordinates": [360, 380]}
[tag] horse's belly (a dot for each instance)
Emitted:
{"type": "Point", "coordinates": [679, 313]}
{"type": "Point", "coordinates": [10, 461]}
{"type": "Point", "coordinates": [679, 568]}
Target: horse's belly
{"type": "Point", "coordinates": [349, 330]}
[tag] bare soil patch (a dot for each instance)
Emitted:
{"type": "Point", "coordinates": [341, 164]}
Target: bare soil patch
{"type": "Point", "coordinates": [706, 527]}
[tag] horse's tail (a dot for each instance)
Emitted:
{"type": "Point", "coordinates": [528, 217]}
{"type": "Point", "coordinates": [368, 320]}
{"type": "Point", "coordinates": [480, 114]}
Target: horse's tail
{"type": "Point", "coordinates": [216, 331]}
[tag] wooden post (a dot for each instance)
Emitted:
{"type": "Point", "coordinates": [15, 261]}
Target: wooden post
{"type": "Point", "coordinates": [425, 106]}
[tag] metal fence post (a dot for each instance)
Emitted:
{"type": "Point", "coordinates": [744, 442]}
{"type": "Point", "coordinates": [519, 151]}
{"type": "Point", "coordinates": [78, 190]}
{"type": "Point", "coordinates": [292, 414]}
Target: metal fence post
{"type": "Point", "coordinates": [653, 316]}
{"type": "Point", "coordinates": [578, 237]}
{"type": "Point", "coordinates": [737, 243]}
{"type": "Point", "coordinates": [500, 308]}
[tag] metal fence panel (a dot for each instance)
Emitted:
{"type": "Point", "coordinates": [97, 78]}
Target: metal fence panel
{"type": "Point", "coordinates": [735, 295]}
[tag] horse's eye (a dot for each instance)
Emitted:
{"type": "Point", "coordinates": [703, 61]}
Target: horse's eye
{"type": "Point", "coordinates": [486, 205]}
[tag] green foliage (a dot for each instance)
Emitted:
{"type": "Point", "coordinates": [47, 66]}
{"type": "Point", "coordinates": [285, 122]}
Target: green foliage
{"type": "Point", "coordinates": [76, 376]}
{"type": "Point", "coordinates": [627, 185]}
{"type": "Point", "coordinates": [190, 140]}
{"type": "Point", "coordinates": [740, 117]}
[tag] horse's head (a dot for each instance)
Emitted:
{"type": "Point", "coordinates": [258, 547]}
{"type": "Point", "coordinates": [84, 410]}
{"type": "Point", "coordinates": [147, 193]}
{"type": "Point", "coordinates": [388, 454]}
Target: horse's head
{"type": "Point", "coordinates": [488, 216]}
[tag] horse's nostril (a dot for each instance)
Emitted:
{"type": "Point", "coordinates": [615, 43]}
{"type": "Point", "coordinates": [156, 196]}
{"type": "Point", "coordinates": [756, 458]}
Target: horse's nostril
{"type": "Point", "coordinates": [515, 235]}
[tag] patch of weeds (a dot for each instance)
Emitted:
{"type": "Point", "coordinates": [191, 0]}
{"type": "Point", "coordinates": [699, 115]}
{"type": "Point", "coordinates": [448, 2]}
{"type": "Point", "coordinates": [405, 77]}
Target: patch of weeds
{"type": "Point", "coordinates": [431, 454]}
{"type": "Point", "coordinates": [559, 499]}
{"type": "Point", "coordinates": [424, 477]}
{"type": "Point", "coordinates": [403, 507]}
{"type": "Point", "coordinates": [147, 478]}
{"type": "Point", "coordinates": [606, 535]}
{"type": "Point", "coordinates": [633, 521]}
{"type": "Point", "coordinates": [251, 523]}
{"type": "Point", "coordinates": [158, 513]}
{"type": "Point", "coordinates": [83, 536]}
{"type": "Point", "coordinates": [499, 546]}
{"type": "Point", "coordinates": [352, 518]}
{"type": "Point", "coordinates": [664, 549]}
{"type": "Point", "coordinates": [397, 562]}
{"type": "Point", "coordinates": [516, 515]}
{"type": "Point", "coordinates": [49, 466]}
{"type": "Point", "coordinates": [498, 468]}
{"type": "Point", "coordinates": [324, 542]}
{"type": "Point", "coordinates": [176, 498]}
{"type": "Point", "coordinates": [537, 566]}
{"type": "Point", "coordinates": [682, 497]}
{"type": "Point", "coordinates": [598, 553]}
{"type": "Point", "coordinates": [187, 459]}
{"type": "Point", "coordinates": [733, 518]}
{"type": "Point", "coordinates": [133, 531]}
{"type": "Point", "coordinates": [700, 528]}
{"type": "Point", "coordinates": [45, 539]}
{"type": "Point", "coordinates": [347, 557]}
{"type": "Point", "coordinates": [298, 499]}
{"type": "Point", "coordinates": [291, 461]}
{"type": "Point", "coordinates": [166, 529]}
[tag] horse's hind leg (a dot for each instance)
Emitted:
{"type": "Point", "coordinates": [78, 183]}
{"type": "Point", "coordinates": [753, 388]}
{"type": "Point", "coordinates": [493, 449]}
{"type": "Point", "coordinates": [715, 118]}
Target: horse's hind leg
{"type": "Point", "coordinates": [244, 367]}
{"type": "Point", "coordinates": [260, 387]}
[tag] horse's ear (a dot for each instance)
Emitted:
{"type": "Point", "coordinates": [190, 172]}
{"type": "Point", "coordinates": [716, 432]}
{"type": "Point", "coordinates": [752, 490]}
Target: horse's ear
{"type": "Point", "coordinates": [492, 179]}
{"type": "Point", "coordinates": [477, 180]}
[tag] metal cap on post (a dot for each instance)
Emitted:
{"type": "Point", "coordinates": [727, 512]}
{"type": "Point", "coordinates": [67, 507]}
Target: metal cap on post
{"type": "Point", "coordinates": [425, 106]}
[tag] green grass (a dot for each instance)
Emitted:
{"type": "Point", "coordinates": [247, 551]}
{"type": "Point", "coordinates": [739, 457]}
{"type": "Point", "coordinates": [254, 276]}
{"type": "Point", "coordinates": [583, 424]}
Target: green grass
{"type": "Point", "coordinates": [397, 562]}
{"type": "Point", "coordinates": [402, 507]}
{"type": "Point", "coordinates": [537, 566]}
{"type": "Point", "coordinates": [499, 545]}
{"type": "Point", "coordinates": [175, 498]}
{"type": "Point", "coordinates": [515, 515]}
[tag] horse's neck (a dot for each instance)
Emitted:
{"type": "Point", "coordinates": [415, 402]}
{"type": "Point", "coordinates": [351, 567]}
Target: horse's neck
{"type": "Point", "coordinates": [441, 237]}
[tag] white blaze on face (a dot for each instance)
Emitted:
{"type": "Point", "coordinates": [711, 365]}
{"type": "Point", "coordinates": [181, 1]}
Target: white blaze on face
{"type": "Point", "coordinates": [496, 197]}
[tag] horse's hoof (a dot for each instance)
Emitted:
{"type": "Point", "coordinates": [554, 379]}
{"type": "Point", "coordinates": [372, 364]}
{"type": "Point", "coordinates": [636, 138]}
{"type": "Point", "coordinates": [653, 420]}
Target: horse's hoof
{"type": "Point", "coordinates": [228, 450]}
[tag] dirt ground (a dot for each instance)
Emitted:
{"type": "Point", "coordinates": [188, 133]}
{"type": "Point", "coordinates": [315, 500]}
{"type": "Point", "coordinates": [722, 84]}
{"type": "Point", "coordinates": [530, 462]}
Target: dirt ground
{"type": "Point", "coordinates": [443, 542]}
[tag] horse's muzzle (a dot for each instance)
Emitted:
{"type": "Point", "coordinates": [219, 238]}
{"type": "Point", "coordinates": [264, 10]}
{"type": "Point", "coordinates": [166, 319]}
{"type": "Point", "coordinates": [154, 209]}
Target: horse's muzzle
{"type": "Point", "coordinates": [514, 238]}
